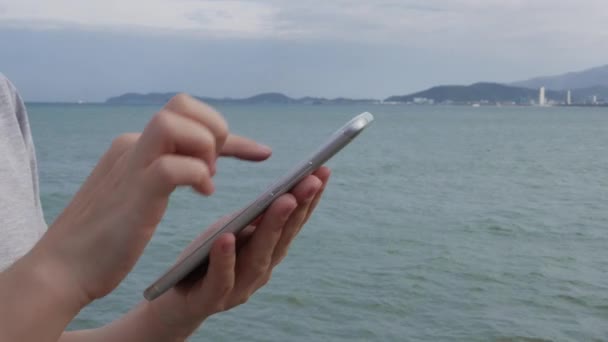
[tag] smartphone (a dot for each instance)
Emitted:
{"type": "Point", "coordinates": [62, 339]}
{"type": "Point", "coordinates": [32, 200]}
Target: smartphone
{"type": "Point", "coordinates": [194, 264]}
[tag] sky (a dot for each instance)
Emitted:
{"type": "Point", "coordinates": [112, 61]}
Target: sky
{"type": "Point", "coordinates": [69, 50]}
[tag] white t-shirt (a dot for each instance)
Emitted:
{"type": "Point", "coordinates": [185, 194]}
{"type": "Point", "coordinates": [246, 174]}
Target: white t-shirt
{"type": "Point", "coordinates": [21, 219]}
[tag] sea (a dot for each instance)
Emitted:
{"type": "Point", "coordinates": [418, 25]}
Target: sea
{"type": "Point", "coordinates": [440, 223]}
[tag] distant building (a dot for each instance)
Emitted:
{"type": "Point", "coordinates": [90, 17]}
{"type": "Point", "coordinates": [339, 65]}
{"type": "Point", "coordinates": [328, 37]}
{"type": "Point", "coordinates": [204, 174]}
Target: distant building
{"type": "Point", "coordinates": [594, 101]}
{"type": "Point", "coordinates": [423, 100]}
{"type": "Point", "coordinates": [569, 98]}
{"type": "Point", "coordinates": [542, 100]}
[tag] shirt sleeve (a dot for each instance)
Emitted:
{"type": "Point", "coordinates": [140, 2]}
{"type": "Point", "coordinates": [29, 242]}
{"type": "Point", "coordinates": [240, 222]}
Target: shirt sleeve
{"type": "Point", "coordinates": [26, 133]}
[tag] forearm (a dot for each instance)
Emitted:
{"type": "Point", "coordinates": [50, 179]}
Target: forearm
{"type": "Point", "coordinates": [35, 304]}
{"type": "Point", "coordinates": [139, 324]}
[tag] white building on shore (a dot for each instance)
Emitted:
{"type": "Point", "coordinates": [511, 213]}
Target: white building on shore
{"type": "Point", "coordinates": [542, 99]}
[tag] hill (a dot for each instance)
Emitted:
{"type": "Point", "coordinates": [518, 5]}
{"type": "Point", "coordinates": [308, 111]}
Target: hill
{"type": "Point", "coordinates": [581, 95]}
{"type": "Point", "coordinates": [588, 78]}
{"type": "Point", "coordinates": [264, 98]}
{"type": "Point", "coordinates": [475, 93]}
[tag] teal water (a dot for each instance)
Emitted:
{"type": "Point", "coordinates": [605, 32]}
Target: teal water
{"type": "Point", "coordinates": [439, 224]}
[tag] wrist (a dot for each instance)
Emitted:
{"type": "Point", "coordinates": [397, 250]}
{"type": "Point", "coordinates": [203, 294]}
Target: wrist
{"type": "Point", "coordinates": [55, 278]}
{"type": "Point", "coordinates": [37, 303]}
{"type": "Point", "coordinates": [57, 274]}
{"type": "Point", "coordinates": [169, 321]}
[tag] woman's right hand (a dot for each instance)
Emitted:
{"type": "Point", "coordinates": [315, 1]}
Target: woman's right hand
{"type": "Point", "coordinates": [97, 239]}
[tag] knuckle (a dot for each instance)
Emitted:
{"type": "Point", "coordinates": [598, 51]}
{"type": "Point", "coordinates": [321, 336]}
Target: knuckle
{"type": "Point", "coordinates": [204, 170]}
{"type": "Point", "coordinates": [162, 121]}
{"type": "Point", "coordinates": [225, 291]}
{"type": "Point", "coordinates": [124, 141]}
{"type": "Point", "coordinates": [164, 171]}
{"type": "Point", "coordinates": [266, 279]}
{"type": "Point", "coordinates": [243, 299]}
{"type": "Point", "coordinates": [222, 129]}
{"type": "Point", "coordinates": [280, 258]}
{"type": "Point", "coordinates": [260, 267]}
{"type": "Point", "coordinates": [207, 141]}
{"type": "Point", "coordinates": [180, 99]}
{"type": "Point", "coordinates": [219, 307]}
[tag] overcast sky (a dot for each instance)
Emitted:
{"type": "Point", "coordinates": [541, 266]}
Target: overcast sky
{"type": "Point", "coordinates": [90, 50]}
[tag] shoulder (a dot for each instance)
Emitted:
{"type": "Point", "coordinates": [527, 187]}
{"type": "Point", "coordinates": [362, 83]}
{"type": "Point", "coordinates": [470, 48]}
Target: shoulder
{"type": "Point", "coordinates": [8, 93]}
{"type": "Point", "coordinates": [12, 107]}
{"type": "Point", "coordinates": [5, 84]}
{"type": "Point", "coordinates": [10, 99]}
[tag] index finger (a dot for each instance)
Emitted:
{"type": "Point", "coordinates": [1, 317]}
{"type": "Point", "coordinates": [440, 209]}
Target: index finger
{"type": "Point", "coordinates": [245, 148]}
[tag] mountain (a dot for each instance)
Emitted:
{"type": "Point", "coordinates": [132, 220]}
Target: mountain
{"type": "Point", "coordinates": [264, 98]}
{"type": "Point", "coordinates": [135, 98]}
{"type": "Point", "coordinates": [269, 98]}
{"type": "Point", "coordinates": [587, 87]}
{"type": "Point", "coordinates": [593, 77]}
{"type": "Point", "coordinates": [477, 92]}
{"type": "Point", "coordinates": [582, 94]}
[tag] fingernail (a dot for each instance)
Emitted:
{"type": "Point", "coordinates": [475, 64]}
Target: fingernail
{"type": "Point", "coordinates": [211, 189]}
{"type": "Point", "coordinates": [212, 168]}
{"type": "Point", "coordinates": [265, 148]}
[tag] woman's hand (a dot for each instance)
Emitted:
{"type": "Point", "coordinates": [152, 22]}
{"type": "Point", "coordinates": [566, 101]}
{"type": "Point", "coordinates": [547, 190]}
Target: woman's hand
{"type": "Point", "coordinates": [232, 277]}
{"type": "Point", "coordinates": [98, 238]}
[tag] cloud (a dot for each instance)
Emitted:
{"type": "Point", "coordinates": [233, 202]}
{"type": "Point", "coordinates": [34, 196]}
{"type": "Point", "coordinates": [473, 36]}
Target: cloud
{"type": "Point", "coordinates": [211, 18]}
{"type": "Point", "coordinates": [355, 48]}
{"type": "Point", "coordinates": [443, 21]}
{"type": "Point", "coordinates": [395, 21]}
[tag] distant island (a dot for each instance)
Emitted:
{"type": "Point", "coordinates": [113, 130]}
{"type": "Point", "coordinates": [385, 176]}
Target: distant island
{"type": "Point", "coordinates": [475, 93]}
{"type": "Point", "coordinates": [264, 98]}
{"type": "Point", "coordinates": [501, 94]}
{"type": "Point", "coordinates": [597, 76]}
{"type": "Point", "coordinates": [583, 88]}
